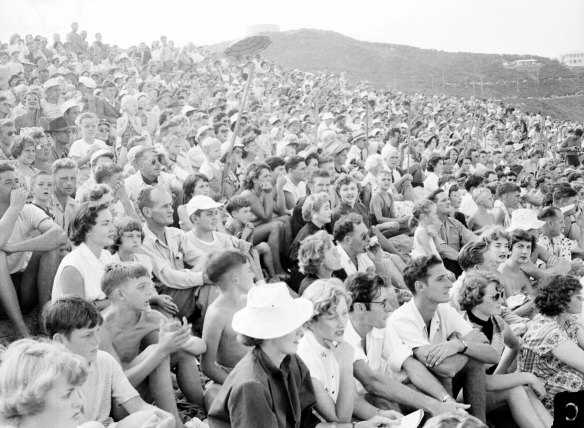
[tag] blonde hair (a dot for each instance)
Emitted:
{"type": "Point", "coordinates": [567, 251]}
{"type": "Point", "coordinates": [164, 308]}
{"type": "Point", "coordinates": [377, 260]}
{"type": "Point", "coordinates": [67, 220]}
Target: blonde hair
{"type": "Point", "coordinates": [29, 370]}
{"type": "Point", "coordinates": [325, 294]}
{"type": "Point", "coordinates": [477, 193]}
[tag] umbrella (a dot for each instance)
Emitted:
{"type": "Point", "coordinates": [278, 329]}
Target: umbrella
{"type": "Point", "coordinates": [248, 46]}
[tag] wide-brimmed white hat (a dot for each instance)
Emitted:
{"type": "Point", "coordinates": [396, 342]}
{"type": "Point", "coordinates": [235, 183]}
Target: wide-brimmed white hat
{"type": "Point", "coordinates": [524, 219]}
{"type": "Point", "coordinates": [271, 312]}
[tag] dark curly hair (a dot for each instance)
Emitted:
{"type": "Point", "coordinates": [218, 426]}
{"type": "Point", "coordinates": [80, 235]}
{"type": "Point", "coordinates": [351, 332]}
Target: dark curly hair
{"type": "Point", "coordinates": [84, 219]}
{"type": "Point", "coordinates": [252, 174]}
{"type": "Point", "coordinates": [555, 292]}
{"type": "Point", "coordinates": [417, 270]}
{"type": "Point", "coordinates": [364, 287]}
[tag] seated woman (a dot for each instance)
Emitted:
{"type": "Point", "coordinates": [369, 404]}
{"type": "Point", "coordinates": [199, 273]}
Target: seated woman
{"type": "Point", "coordinates": [316, 212]}
{"type": "Point", "coordinates": [330, 359]}
{"type": "Point", "coordinates": [259, 190]}
{"type": "Point", "coordinates": [39, 386]}
{"type": "Point", "coordinates": [91, 231]}
{"type": "Point", "coordinates": [481, 297]}
{"type": "Point", "coordinates": [553, 344]}
{"type": "Point", "coordinates": [318, 258]}
{"type": "Point", "coordinates": [482, 219]}
{"type": "Point", "coordinates": [271, 386]}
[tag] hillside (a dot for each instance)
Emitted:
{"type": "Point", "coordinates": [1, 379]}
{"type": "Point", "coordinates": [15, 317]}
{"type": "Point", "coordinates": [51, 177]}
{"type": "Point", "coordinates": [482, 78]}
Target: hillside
{"type": "Point", "coordinates": [411, 69]}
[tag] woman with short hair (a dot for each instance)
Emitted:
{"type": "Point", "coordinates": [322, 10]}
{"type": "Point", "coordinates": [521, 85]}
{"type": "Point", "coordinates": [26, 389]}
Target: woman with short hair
{"type": "Point", "coordinates": [480, 298]}
{"type": "Point", "coordinates": [318, 258]}
{"type": "Point", "coordinates": [552, 346]}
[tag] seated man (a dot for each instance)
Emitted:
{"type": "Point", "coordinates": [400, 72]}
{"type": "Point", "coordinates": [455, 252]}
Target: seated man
{"type": "Point", "coordinates": [29, 251]}
{"type": "Point", "coordinates": [360, 253]}
{"type": "Point", "coordinates": [150, 173]}
{"type": "Point", "coordinates": [145, 343]}
{"type": "Point", "coordinates": [440, 337]}
{"type": "Point", "coordinates": [231, 273]}
{"type": "Point", "coordinates": [74, 322]}
{"type": "Point", "coordinates": [383, 365]}
{"type": "Point", "coordinates": [453, 235]}
{"type": "Point", "coordinates": [169, 250]}
{"type": "Point", "coordinates": [552, 238]}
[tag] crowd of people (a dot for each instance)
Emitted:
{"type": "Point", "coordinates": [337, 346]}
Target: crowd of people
{"type": "Point", "coordinates": [326, 254]}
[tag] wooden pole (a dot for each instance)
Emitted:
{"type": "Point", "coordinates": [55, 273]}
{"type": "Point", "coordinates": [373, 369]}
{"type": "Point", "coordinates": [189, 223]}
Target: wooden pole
{"type": "Point", "coordinates": [229, 158]}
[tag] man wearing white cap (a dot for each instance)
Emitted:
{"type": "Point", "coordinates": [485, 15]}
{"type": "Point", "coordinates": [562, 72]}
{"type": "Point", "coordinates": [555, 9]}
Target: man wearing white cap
{"type": "Point", "coordinates": [70, 109]}
{"type": "Point", "coordinates": [271, 386]}
{"type": "Point", "coordinates": [51, 103]}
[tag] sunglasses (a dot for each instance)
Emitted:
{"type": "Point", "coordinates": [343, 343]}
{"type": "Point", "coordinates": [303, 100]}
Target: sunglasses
{"type": "Point", "coordinates": [155, 161]}
{"type": "Point", "coordinates": [103, 129]}
{"type": "Point", "coordinates": [498, 295]}
{"type": "Point", "coordinates": [43, 146]}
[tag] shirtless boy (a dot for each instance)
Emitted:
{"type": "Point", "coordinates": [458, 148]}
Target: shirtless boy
{"type": "Point", "coordinates": [231, 273]}
{"type": "Point", "coordinates": [130, 325]}
{"type": "Point", "coordinates": [482, 219]}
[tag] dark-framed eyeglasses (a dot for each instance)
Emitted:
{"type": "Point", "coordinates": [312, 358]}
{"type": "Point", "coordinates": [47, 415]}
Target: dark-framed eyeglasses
{"type": "Point", "coordinates": [385, 302]}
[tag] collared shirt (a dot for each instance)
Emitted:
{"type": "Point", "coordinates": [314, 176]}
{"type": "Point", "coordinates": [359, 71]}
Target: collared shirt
{"type": "Point", "coordinates": [168, 260]}
{"type": "Point", "coordinates": [296, 190]}
{"type": "Point", "coordinates": [257, 394]}
{"type": "Point", "coordinates": [55, 156]}
{"type": "Point", "coordinates": [26, 227]}
{"type": "Point", "coordinates": [412, 330]}
{"type": "Point", "coordinates": [454, 234]}
{"type": "Point", "coordinates": [321, 362]}
{"type": "Point", "coordinates": [364, 263]}
{"type": "Point", "coordinates": [63, 215]}
{"type": "Point", "coordinates": [385, 352]}
{"type": "Point", "coordinates": [559, 246]}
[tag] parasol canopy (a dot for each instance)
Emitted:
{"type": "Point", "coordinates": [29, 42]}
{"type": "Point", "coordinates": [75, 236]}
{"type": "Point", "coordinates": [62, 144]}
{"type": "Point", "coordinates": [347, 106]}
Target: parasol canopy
{"type": "Point", "coordinates": [248, 46]}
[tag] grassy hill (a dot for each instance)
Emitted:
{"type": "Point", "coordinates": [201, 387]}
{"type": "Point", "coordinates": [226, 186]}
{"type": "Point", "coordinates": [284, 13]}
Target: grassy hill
{"type": "Point", "coordinates": [411, 69]}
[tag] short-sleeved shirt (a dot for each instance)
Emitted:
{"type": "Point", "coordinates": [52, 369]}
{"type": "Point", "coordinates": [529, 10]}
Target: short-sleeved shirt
{"type": "Point", "coordinates": [559, 246]}
{"type": "Point", "coordinates": [26, 225]}
{"type": "Point", "coordinates": [297, 191]}
{"type": "Point", "coordinates": [62, 215]}
{"type": "Point", "coordinates": [105, 380]}
{"type": "Point", "coordinates": [80, 149]}
{"type": "Point", "coordinates": [385, 352]}
{"type": "Point", "coordinates": [454, 234]}
{"type": "Point", "coordinates": [412, 330]}
{"type": "Point", "coordinates": [321, 362]}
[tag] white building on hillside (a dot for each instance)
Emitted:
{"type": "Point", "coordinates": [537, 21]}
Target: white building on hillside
{"type": "Point", "coordinates": [575, 59]}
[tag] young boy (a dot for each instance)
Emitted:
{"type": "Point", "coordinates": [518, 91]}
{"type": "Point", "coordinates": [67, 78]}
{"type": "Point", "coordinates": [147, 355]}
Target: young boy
{"type": "Point", "coordinates": [42, 191]}
{"type": "Point", "coordinates": [82, 149]}
{"type": "Point", "coordinates": [75, 323]}
{"type": "Point", "coordinates": [239, 225]}
{"type": "Point", "coordinates": [231, 273]}
{"type": "Point", "coordinates": [383, 209]}
{"type": "Point", "coordinates": [128, 240]}
{"type": "Point", "coordinates": [211, 166]}
{"type": "Point", "coordinates": [146, 344]}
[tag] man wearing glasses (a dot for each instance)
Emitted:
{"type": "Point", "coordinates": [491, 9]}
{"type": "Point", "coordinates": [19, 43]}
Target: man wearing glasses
{"type": "Point", "coordinates": [383, 365]}
{"type": "Point", "coordinates": [150, 173]}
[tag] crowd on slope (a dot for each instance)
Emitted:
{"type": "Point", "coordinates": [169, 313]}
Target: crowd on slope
{"type": "Point", "coordinates": [329, 253]}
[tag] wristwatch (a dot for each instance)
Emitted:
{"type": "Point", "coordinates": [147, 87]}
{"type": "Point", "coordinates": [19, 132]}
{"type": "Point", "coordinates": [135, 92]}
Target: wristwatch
{"type": "Point", "coordinates": [465, 346]}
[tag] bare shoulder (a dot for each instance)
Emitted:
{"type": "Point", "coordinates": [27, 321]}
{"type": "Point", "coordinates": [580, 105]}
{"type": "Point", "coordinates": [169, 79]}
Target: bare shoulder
{"type": "Point", "coordinates": [219, 312]}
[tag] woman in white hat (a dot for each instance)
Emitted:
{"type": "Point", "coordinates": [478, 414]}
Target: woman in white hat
{"type": "Point", "coordinates": [271, 386]}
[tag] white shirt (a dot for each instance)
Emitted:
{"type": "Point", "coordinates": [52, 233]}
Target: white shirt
{"type": "Point", "coordinates": [363, 262]}
{"type": "Point", "coordinates": [321, 362]}
{"type": "Point", "coordinates": [297, 191]}
{"type": "Point", "coordinates": [385, 354]}
{"type": "Point", "coordinates": [135, 183]}
{"type": "Point", "coordinates": [91, 269]}
{"type": "Point", "coordinates": [467, 205]}
{"type": "Point", "coordinates": [411, 328]}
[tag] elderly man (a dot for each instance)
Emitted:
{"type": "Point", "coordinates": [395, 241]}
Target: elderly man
{"type": "Point", "coordinates": [147, 160]}
{"type": "Point", "coordinates": [452, 234]}
{"type": "Point", "coordinates": [29, 256]}
{"type": "Point", "coordinates": [440, 337]}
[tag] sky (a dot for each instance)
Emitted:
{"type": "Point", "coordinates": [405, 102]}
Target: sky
{"type": "Point", "coordinates": [536, 27]}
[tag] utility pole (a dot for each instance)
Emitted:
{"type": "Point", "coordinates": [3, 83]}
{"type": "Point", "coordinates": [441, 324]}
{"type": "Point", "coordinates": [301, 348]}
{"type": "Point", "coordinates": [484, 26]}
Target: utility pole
{"type": "Point", "coordinates": [482, 94]}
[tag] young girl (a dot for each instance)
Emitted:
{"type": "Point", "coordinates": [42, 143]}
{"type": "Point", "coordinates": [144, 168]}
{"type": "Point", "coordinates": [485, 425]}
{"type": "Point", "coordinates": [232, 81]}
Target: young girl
{"type": "Point", "coordinates": [82, 149]}
{"type": "Point", "coordinates": [382, 207]}
{"type": "Point", "coordinates": [129, 125]}
{"type": "Point", "coordinates": [425, 237]}
{"type": "Point", "coordinates": [128, 240]}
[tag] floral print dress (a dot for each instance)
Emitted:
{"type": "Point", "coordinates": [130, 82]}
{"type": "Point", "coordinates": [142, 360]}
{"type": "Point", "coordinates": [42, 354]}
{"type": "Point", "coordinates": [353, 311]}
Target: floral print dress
{"type": "Point", "coordinates": [536, 356]}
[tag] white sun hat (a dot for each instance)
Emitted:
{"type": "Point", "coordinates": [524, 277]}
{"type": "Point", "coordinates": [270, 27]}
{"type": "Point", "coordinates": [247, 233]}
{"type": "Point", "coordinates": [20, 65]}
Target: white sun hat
{"type": "Point", "coordinates": [524, 219]}
{"type": "Point", "coordinates": [271, 312]}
